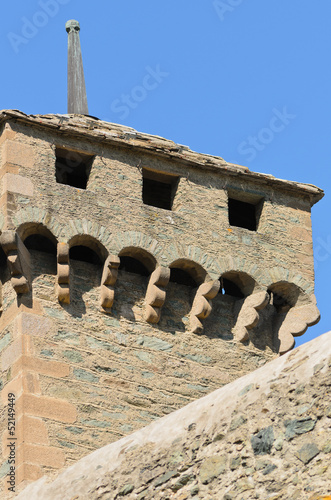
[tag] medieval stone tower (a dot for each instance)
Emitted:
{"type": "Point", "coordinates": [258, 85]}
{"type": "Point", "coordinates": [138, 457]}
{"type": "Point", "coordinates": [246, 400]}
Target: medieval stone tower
{"type": "Point", "coordinates": [137, 275]}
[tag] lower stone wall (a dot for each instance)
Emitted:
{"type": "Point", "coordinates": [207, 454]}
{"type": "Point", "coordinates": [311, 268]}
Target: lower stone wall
{"type": "Point", "coordinates": [265, 436]}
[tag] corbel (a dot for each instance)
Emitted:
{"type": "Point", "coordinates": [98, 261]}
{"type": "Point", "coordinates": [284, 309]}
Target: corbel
{"type": "Point", "coordinates": [295, 323]}
{"type": "Point", "coordinates": [202, 307]}
{"type": "Point", "coordinates": [19, 263]}
{"type": "Point", "coordinates": [108, 280]}
{"type": "Point", "coordinates": [63, 273]}
{"type": "Point", "coordinates": [248, 316]}
{"type": "Point", "coordinates": [156, 294]}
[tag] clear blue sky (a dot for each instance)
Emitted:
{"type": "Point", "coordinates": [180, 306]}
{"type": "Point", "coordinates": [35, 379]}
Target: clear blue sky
{"type": "Point", "coordinates": [220, 70]}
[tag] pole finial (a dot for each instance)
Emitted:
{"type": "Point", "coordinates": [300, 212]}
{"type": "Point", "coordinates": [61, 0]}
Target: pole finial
{"type": "Point", "coordinates": [77, 99]}
{"type": "Point", "coordinates": [72, 25]}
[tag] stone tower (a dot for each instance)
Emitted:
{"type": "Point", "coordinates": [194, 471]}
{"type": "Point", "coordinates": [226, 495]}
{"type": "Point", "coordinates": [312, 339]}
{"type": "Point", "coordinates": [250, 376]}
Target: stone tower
{"type": "Point", "coordinates": [137, 276]}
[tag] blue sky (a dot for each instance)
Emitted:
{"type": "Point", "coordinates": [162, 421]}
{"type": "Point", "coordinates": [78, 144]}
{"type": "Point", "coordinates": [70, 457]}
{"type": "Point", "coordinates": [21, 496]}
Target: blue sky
{"type": "Point", "coordinates": [219, 72]}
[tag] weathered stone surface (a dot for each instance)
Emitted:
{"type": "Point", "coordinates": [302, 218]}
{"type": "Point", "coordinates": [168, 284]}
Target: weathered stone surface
{"type": "Point", "coordinates": [296, 323]}
{"type": "Point", "coordinates": [235, 463]}
{"type": "Point", "coordinates": [18, 259]}
{"type": "Point", "coordinates": [269, 469]}
{"type": "Point", "coordinates": [17, 184]}
{"type": "Point", "coordinates": [182, 481]}
{"type": "Point", "coordinates": [307, 452]}
{"type": "Point", "coordinates": [125, 490]}
{"type": "Point", "coordinates": [156, 344]}
{"type": "Point", "coordinates": [122, 372]}
{"type": "Point", "coordinates": [237, 422]}
{"type": "Point", "coordinates": [202, 307]}
{"type": "Point", "coordinates": [211, 468]}
{"type": "Point", "coordinates": [108, 280]}
{"type": "Point", "coordinates": [165, 477]}
{"type": "Point", "coordinates": [179, 456]}
{"type": "Point", "coordinates": [63, 273]}
{"type": "Point", "coordinates": [262, 442]}
{"type": "Point", "coordinates": [246, 484]}
{"type": "Point", "coordinates": [248, 316]}
{"type": "Point", "coordinates": [297, 427]}
{"type": "Point", "coordinates": [156, 294]}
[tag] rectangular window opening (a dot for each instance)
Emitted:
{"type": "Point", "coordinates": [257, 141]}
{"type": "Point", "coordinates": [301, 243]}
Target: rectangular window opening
{"type": "Point", "coordinates": [159, 189]}
{"type": "Point", "coordinates": [72, 167]}
{"type": "Point", "coordinates": [244, 211]}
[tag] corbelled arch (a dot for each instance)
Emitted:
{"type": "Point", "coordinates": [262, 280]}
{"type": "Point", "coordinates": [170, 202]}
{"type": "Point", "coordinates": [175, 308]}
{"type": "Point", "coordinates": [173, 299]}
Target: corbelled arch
{"type": "Point", "coordinates": [4, 272]}
{"type": "Point", "coordinates": [195, 270]}
{"type": "Point", "coordinates": [295, 309]}
{"type": "Point", "coordinates": [37, 237]}
{"type": "Point", "coordinates": [287, 292]}
{"type": "Point", "coordinates": [139, 240]}
{"type": "Point", "coordinates": [86, 240]}
{"type": "Point", "coordinates": [244, 281]}
{"type": "Point", "coordinates": [238, 264]}
{"type": "Point", "coordinates": [35, 228]}
{"type": "Point", "coordinates": [252, 294]}
{"type": "Point", "coordinates": [37, 216]}
{"type": "Point", "coordinates": [268, 277]}
{"type": "Point", "coordinates": [84, 227]}
{"type": "Point", "coordinates": [146, 258]}
{"type": "Point", "coordinates": [177, 251]}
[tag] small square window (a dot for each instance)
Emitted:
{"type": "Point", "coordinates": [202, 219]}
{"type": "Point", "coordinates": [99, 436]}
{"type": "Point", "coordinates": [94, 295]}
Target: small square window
{"type": "Point", "coordinates": [72, 167]}
{"type": "Point", "coordinates": [244, 213]}
{"type": "Point", "coordinates": [159, 189]}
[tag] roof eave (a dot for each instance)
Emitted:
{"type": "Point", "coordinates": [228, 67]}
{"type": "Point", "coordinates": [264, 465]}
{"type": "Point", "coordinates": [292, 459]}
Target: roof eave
{"type": "Point", "coordinates": [120, 135]}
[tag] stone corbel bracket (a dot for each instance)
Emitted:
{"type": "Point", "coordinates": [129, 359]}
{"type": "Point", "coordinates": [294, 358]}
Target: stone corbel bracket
{"type": "Point", "coordinates": [108, 280]}
{"type": "Point", "coordinates": [296, 323]}
{"type": "Point", "coordinates": [202, 307]}
{"type": "Point", "coordinates": [156, 294]}
{"type": "Point", "coordinates": [63, 273]}
{"type": "Point", "coordinates": [18, 258]}
{"type": "Point", "coordinates": [248, 316]}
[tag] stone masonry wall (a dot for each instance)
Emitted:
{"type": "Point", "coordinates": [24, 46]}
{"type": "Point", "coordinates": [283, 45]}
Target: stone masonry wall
{"type": "Point", "coordinates": [116, 373]}
{"type": "Point", "coordinates": [113, 200]}
{"type": "Point", "coordinates": [264, 436]}
{"type": "Point", "coordinates": [83, 376]}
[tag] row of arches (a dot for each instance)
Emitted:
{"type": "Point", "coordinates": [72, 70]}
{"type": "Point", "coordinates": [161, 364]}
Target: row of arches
{"type": "Point", "coordinates": [165, 251]}
{"type": "Point", "coordinates": [243, 289]}
{"type": "Point", "coordinates": [183, 271]}
{"type": "Point", "coordinates": [138, 261]}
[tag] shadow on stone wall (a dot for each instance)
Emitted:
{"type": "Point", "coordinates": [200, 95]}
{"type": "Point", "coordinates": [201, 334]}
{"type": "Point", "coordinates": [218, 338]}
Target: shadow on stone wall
{"type": "Point", "coordinates": [85, 279]}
